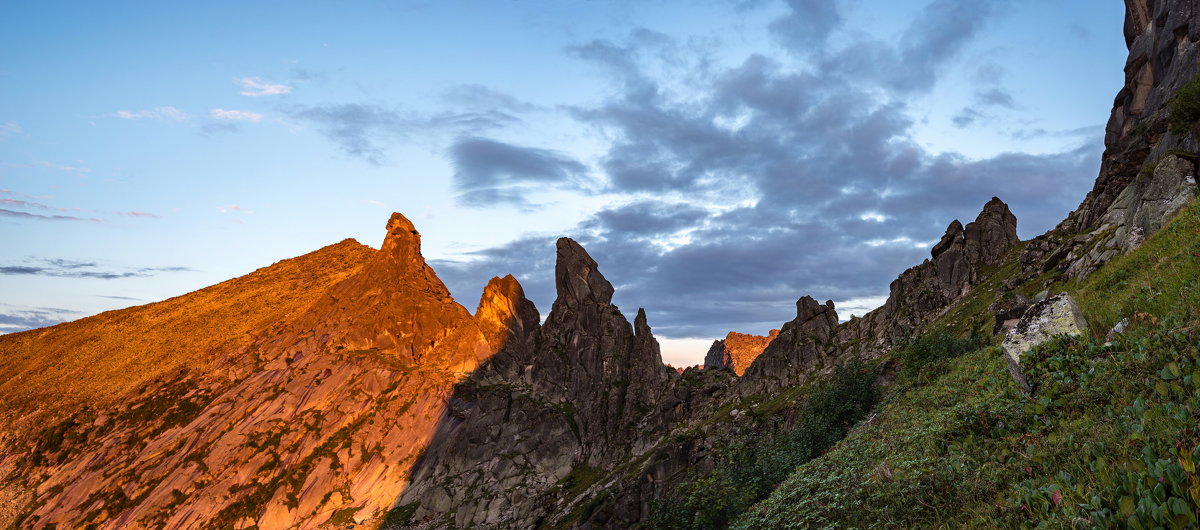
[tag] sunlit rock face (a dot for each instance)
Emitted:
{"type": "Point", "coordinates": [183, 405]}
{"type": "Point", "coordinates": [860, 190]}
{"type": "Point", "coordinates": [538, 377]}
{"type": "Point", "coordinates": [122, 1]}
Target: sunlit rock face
{"type": "Point", "coordinates": [737, 350]}
{"type": "Point", "coordinates": [316, 417]}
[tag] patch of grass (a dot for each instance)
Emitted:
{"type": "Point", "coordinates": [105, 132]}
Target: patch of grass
{"type": "Point", "coordinates": [1161, 277]}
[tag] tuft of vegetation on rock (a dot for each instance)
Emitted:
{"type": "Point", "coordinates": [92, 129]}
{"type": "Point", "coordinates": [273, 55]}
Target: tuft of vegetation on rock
{"type": "Point", "coordinates": [1184, 109]}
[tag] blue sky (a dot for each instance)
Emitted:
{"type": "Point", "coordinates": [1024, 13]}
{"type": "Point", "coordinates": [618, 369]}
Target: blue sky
{"type": "Point", "coordinates": [718, 159]}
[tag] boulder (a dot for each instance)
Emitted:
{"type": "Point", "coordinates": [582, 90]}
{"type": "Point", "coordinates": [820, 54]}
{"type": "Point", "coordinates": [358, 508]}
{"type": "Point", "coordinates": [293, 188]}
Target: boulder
{"type": "Point", "coordinates": [1056, 315]}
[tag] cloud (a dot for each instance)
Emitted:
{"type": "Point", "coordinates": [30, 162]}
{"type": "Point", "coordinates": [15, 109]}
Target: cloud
{"type": "Point", "coordinates": [145, 215]}
{"type": "Point", "coordinates": [967, 117]}
{"type": "Point", "coordinates": [365, 131]}
{"type": "Point", "coordinates": [253, 86]}
{"type": "Point", "coordinates": [767, 180]}
{"type": "Point", "coordinates": [478, 96]}
{"type": "Point", "coordinates": [59, 268]}
{"type": "Point", "coordinates": [160, 113]}
{"type": "Point", "coordinates": [235, 115]}
{"type": "Point", "coordinates": [51, 165]}
{"type": "Point", "coordinates": [115, 297]}
{"type": "Point", "coordinates": [995, 97]}
{"type": "Point", "coordinates": [9, 128]}
{"type": "Point", "coordinates": [26, 215]}
{"type": "Point", "coordinates": [808, 24]}
{"type": "Point", "coordinates": [487, 171]}
{"type": "Point", "coordinates": [20, 318]}
{"type": "Point", "coordinates": [233, 208]}
{"type": "Point", "coordinates": [23, 204]}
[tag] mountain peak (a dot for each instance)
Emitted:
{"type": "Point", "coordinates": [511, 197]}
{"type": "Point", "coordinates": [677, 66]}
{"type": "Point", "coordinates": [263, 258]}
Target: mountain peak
{"type": "Point", "coordinates": [576, 276]}
{"type": "Point", "coordinates": [402, 241]}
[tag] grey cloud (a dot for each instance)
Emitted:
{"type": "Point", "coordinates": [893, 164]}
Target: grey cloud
{"type": "Point", "coordinates": [25, 215]}
{"type": "Point", "coordinates": [838, 198]}
{"type": "Point", "coordinates": [477, 96]}
{"type": "Point", "coordinates": [365, 131]}
{"type": "Point", "coordinates": [936, 36]}
{"type": "Point", "coordinates": [966, 118]}
{"type": "Point", "coordinates": [995, 97]}
{"type": "Point", "coordinates": [808, 25]}
{"type": "Point", "coordinates": [18, 318]}
{"type": "Point", "coordinates": [487, 171]}
{"type": "Point", "coordinates": [646, 218]}
{"type": "Point", "coordinates": [60, 268]}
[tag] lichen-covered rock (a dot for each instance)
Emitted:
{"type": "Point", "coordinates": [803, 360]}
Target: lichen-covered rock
{"type": "Point", "coordinates": [1056, 315]}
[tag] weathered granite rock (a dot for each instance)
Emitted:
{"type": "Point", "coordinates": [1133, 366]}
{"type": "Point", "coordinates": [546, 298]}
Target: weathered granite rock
{"type": "Point", "coordinates": [795, 353]}
{"type": "Point", "coordinates": [1145, 167]}
{"type": "Point", "coordinates": [564, 396]}
{"type": "Point", "coordinates": [737, 350]}
{"type": "Point", "coordinates": [923, 292]}
{"type": "Point", "coordinates": [1057, 315]}
{"type": "Point", "coordinates": [994, 231]}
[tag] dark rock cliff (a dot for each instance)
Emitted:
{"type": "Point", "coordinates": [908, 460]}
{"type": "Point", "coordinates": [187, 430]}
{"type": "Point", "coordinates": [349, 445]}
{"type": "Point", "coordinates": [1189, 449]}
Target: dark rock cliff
{"type": "Point", "coordinates": [1147, 172]}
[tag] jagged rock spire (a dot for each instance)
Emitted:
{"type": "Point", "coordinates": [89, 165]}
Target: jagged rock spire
{"type": "Point", "coordinates": [577, 278]}
{"type": "Point", "coordinates": [989, 237]}
{"type": "Point", "coordinates": [954, 234]}
{"type": "Point", "coordinates": [402, 242]}
{"type": "Point", "coordinates": [503, 311]}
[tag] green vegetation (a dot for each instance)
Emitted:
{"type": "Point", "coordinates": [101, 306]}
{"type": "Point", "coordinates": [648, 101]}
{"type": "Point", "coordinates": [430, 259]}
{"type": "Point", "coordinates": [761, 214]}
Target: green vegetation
{"type": "Point", "coordinates": [1160, 278]}
{"type": "Point", "coordinates": [1184, 109]}
{"type": "Point", "coordinates": [750, 466]}
{"type": "Point", "coordinates": [924, 358]}
{"type": "Point", "coordinates": [1109, 440]}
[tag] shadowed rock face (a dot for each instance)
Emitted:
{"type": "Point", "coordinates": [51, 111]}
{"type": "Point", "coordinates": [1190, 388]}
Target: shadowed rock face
{"type": "Point", "coordinates": [1143, 179]}
{"type": "Point", "coordinates": [322, 412]}
{"type": "Point", "coordinates": [566, 396]}
{"type": "Point", "coordinates": [923, 292]}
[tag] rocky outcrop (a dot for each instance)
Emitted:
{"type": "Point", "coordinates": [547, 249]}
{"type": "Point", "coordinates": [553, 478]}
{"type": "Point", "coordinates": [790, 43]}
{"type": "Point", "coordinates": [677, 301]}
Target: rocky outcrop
{"type": "Point", "coordinates": [1056, 315]}
{"type": "Point", "coordinates": [801, 345]}
{"type": "Point", "coordinates": [921, 293]}
{"type": "Point", "coordinates": [317, 419]}
{"type": "Point", "coordinates": [737, 350]}
{"type": "Point", "coordinates": [559, 404]}
{"type": "Point", "coordinates": [1145, 168]}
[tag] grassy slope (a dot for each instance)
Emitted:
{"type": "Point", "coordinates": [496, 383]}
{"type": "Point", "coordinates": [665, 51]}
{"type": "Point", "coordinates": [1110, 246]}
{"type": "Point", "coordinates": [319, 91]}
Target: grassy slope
{"type": "Point", "coordinates": [1109, 441]}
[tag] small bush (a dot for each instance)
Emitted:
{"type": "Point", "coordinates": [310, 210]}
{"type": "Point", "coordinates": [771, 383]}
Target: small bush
{"type": "Point", "coordinates": [1184, 108]}
{"type": "Point", "coordinates": [924, 358]}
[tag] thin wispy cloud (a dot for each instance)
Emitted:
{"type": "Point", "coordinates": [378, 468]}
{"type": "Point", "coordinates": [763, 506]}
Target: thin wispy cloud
{"type": "Point", "coordinates": [9, 128]}
{"type": "Point", "coordinates": [51, 165]}
{"type": "Point", "coordinates": [253, 86]}
{"type": "Point", "coordinates": [14, 318]}
{"type": "Point", "coordinates": [159, 113]}
{"type": "Point", "coordinates": [235, 115]}
{"type": "Point", "coordinates": [37, 217]}
{"type": "Point", "coordinates": [145, 215]}
{"type": "Point", "coordinates": [61, 268]}
{"type": "Point", "coordinates": [233, 208]}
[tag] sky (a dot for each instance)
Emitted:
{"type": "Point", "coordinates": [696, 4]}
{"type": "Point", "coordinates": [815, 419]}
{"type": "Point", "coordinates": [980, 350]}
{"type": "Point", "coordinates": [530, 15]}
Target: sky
{"type": "Point", "coordinates": [718, 159]}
